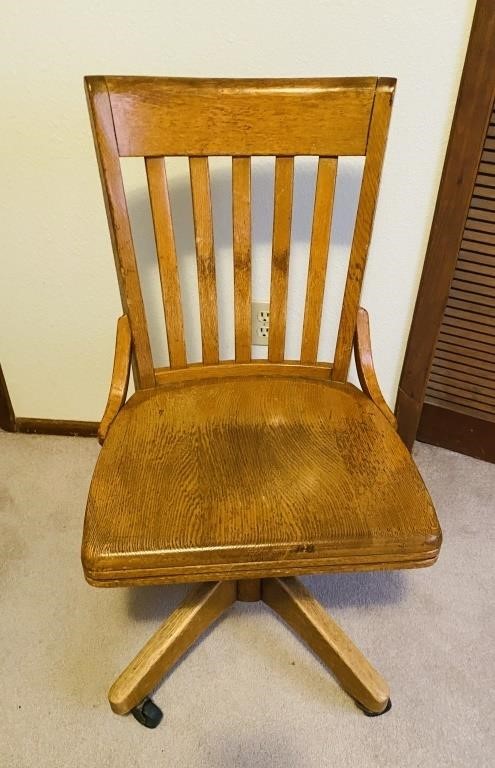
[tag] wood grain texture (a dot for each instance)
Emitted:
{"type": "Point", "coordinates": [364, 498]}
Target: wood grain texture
{"type": "Point", "coordinates": [241, 223]}
{"type": "Point", "coordinates": [375, 150]}
{"type": "Point", "coordinates": [470, 127]}
{"type": "Point", "coordinates": [186, 116]}
{"type": "Point", "coordinates": [318, 256]}
{"type": "Point", "coordinates": [229, 369]}
{"type": "Point", "coordinates": [171, 641]}
{"type": "Point", "coordinates": [205, 257]}
{"type": "Point", "coordinates": [278, 569]}
{"type": "Point", "coordinates": [297, 606]}
{"type": "Point", "coordinates": [120, 230]}
{"type": "Point", "coordinates": [120, 376]}
{"type": "Point", "coordinates": [253, 474]}
{"type": "Point", "coordinates": [366, 369]}
{"type": "Point", "coordinates": [282, 220]}
{"type": "Point", "coordinates": [167, 260]}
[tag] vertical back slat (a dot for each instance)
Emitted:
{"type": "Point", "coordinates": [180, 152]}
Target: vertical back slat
{"type": "Point", "coordinates": [120, 229]}
{"type": "Point", "coordinates": [364, 222]}
{"type": "Point", "coordinates": [205, 256]}
{"type": "Point", "coordinates": [282, 220]}
{"type": "Point", "coordinates": [241, 224]}
{"type": "Point", "coordinates": [318, 257]}
{"type": "Point", "coordinates": [167, 259]}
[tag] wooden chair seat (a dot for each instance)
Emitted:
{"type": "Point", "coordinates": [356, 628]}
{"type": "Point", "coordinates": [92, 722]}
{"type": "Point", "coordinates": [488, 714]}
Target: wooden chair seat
{"type": "Point", "coordinates": [252, 477]}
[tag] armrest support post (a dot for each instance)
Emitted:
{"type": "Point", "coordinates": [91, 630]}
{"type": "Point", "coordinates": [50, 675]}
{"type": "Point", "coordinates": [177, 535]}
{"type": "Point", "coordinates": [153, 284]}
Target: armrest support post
{"type": "Point", "coordinates": [120, 376]}
{"type": "Point", "coordinates": [365, 367]}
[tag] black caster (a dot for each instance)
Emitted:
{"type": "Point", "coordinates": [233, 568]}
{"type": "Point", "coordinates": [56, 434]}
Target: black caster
{"type": "Point", "coordinates": [376, 714]}
{"type": "Point", "coordinates": [147, 713]}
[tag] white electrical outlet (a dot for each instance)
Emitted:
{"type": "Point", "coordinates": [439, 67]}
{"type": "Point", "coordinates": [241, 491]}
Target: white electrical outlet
{"type": "Point", "coordinates": [260, 315]}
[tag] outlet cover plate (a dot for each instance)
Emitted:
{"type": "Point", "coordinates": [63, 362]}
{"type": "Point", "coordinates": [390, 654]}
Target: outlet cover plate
{"type": "Point", "coordinates": [260, 325]}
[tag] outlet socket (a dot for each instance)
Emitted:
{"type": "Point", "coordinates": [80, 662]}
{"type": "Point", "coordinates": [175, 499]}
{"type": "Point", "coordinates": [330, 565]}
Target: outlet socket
{"type": "Point", "coordinates": [260, 325]}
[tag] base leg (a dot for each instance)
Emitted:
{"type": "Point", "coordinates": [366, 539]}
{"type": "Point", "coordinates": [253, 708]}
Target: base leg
{"type": "Point", "coordinates": [297, 606]}
{"type": "Point", "coordinates": [197, 612]}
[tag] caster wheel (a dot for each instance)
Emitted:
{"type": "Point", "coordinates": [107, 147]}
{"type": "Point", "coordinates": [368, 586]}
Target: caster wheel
{"type": "Point", "coordinates": [376, 714]}
{"type": "Point", "coordinates": [147, 713]}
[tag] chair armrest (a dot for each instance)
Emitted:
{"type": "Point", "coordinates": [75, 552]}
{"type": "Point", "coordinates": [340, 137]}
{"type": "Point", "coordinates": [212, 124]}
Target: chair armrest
{"type": "Point", "coordinates": [365, 368]}
{"type": "Point", "coordinates": [120, 376]}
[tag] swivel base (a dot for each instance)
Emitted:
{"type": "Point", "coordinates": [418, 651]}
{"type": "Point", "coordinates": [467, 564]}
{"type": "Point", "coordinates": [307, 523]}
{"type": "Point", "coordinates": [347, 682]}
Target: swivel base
{"type": "Point", "coordinates": [290, 600]}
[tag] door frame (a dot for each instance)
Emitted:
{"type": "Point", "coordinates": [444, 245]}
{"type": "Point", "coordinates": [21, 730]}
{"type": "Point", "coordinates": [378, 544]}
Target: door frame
{"type": "Point", "coordinates": [7, 416]}
{"type": "Point", "coordinates": [467, 135]}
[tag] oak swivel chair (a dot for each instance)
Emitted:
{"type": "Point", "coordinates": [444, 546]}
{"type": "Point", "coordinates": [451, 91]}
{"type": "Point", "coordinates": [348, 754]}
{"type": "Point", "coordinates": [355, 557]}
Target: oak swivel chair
{"type": "Point", "coordinates": [242, 474]}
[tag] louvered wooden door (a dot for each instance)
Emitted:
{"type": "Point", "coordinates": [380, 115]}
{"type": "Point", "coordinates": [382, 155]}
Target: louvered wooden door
{"type": "Point", "coordinates": [460, 395]}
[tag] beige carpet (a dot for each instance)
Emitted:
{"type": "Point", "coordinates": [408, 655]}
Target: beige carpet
{"type": "Point", "coordinates": [249, 694]}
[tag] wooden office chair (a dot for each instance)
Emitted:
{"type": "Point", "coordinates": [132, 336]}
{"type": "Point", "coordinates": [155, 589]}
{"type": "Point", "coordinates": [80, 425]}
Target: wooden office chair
{"type": "Point", "coordinates": [242, 474]}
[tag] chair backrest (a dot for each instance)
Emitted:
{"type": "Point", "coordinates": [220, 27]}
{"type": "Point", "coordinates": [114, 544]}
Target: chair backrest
{"type": "Point", "coordinates": [158, 117]}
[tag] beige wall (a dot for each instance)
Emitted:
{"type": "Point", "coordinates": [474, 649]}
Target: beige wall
{"type": "Point", "coordinates": [59, 292]}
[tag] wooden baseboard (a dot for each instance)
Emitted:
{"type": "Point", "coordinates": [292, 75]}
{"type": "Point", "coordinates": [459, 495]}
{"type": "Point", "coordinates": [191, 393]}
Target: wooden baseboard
{"type": "Point", "coordinates": [56, 427]}
{"type": "Point", "coordinates": [10, 423]}
{"type": "Point", "coordinates": [457, 431]}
